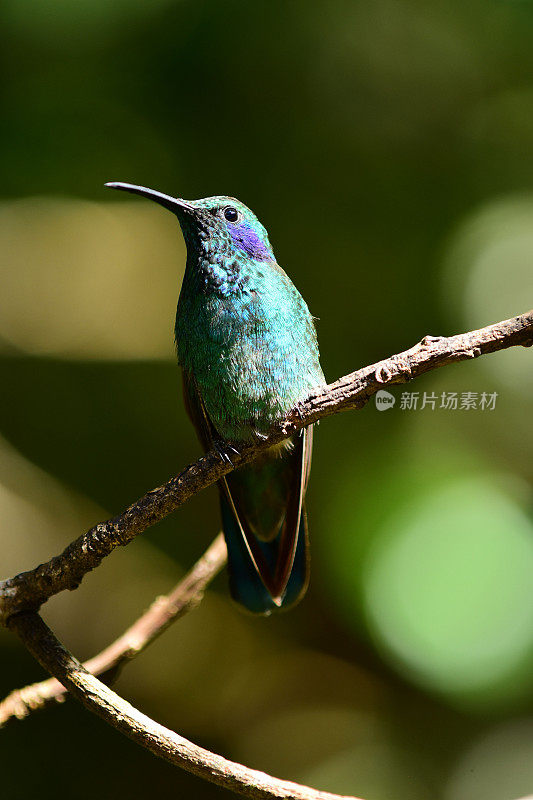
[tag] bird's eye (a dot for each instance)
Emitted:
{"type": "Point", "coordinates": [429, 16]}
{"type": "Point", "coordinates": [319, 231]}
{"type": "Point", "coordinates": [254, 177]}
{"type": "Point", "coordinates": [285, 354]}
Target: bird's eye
{"type": "Point", "coordinates": [231, 214]}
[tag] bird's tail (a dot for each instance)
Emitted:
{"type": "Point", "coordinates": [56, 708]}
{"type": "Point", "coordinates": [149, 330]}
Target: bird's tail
{"type": "Point", "coordinates": [246, 584]}
{"type": "Point", "coordinates": [265, 526]}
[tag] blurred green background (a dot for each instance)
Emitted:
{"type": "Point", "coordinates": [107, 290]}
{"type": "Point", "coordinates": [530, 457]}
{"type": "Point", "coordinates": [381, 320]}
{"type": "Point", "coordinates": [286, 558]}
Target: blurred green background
{"type": "Point", "coordinates": [387, 147]}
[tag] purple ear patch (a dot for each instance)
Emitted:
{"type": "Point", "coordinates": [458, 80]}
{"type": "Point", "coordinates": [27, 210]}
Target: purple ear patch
{"type": "Point", "coordinates": [246, 239]}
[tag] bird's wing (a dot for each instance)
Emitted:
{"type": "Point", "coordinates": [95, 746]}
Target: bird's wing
{"type": "Point", "coordinates": [195, 408]}
{"type": "Point", "coordinates": [263, 511]}
{"type": "Point", "coordinates": [266, 500]}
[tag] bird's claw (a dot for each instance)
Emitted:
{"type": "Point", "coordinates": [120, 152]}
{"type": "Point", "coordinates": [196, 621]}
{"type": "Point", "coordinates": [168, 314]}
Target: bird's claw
{"type": "Point", "coordinates": [299, 411]}
{"type": "Point", "coordinates": [223, 449]}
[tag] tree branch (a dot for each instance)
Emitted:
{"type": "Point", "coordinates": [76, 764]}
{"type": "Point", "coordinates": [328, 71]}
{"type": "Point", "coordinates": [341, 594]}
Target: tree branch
{"type": "Point", "coordinates": [165, 610]}
{"type": "Point", "coordinates": [29, 590]}
{"type": "Point", "coordinates": [23, 594]}
{"type": "Point", "coordinates": [161, 741]}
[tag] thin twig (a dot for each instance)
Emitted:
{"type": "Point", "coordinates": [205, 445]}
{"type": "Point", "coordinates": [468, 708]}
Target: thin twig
{"type": "Point", "coordinates": [20, 596]}
{"type": "Point", "coordinates": [164, 610]}
{"type": "Point", "coordinates": [29, 590]}
{"type": "Point", "coordinates": [162, 742]}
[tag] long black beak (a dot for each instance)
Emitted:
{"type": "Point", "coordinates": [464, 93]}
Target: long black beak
{"type": "Point", "coordinates": [174, 204]}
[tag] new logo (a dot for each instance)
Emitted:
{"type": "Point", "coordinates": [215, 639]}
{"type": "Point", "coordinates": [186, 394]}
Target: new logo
{"type": "Point", "coordinates": [384, 400]}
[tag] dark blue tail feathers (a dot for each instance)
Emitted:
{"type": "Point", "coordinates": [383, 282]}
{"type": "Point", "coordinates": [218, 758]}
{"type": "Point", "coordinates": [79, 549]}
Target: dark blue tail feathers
{"type": "Point", "coordinates": [246, 585]}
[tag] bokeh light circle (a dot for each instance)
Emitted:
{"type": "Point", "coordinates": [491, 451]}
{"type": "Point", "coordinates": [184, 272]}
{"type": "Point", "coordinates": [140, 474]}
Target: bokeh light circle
{"type": "Point", "coordinates": [497, 766]}
{"type": "Point", "coordinates": [447, 591]}
{"type": "Point", "coordinates": [488, 276]}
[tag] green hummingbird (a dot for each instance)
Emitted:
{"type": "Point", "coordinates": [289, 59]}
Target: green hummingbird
{"type": "Point", "coordinates": [248, 351]}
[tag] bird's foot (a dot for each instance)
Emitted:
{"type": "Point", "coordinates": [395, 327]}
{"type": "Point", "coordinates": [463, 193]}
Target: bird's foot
{"type": "Point", "coordinates": [224, 449]}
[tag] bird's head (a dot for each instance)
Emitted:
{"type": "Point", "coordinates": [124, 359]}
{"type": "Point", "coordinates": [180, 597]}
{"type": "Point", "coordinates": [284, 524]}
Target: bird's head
{"type": "Point", "coordinates": [212, 225]}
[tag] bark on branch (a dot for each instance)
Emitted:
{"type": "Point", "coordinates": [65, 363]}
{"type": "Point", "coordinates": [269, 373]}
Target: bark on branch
{"type": "Point", "coordinates": [22, 595]}
{"type": "Point", "coordinates": [29, 590]}
{"type": "Point", "coordinates": [165, 610]}
{"type": "Point", "coordinates": [161, 741]}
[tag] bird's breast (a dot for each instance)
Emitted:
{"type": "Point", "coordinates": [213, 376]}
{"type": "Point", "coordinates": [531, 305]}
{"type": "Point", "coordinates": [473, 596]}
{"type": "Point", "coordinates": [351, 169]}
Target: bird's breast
{"type": "Point", "coordinates": [252, 353]}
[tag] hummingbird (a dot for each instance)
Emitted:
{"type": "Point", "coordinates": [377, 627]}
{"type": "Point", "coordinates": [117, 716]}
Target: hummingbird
{"type": "Point", "coordinates": [248, 351]}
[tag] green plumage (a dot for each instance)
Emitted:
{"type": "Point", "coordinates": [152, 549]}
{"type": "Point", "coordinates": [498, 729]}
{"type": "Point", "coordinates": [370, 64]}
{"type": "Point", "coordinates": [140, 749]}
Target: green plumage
{"type": "Point", "coordinates": [247, 346]}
